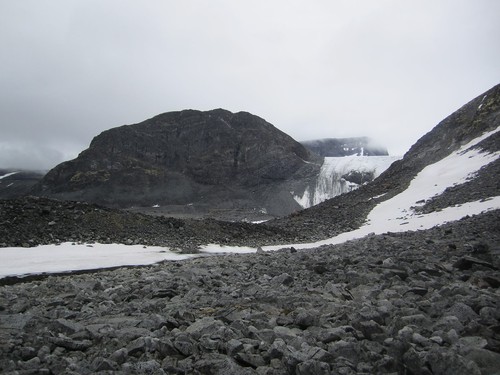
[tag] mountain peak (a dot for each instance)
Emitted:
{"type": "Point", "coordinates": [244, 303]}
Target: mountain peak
{"type": "Point", "coordinates": [215, 157]}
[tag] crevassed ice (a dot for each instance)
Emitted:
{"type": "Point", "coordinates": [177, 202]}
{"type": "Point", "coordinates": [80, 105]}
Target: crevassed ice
{"type": "Point", "coordinates": [330, 182]}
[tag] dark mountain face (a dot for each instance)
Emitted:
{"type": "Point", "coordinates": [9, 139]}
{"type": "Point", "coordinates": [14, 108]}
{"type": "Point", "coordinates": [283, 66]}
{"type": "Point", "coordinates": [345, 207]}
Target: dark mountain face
{"type": "Point", "coordinates": [335, 147]}
{"type": "Point", "coordinates": [183, 157]}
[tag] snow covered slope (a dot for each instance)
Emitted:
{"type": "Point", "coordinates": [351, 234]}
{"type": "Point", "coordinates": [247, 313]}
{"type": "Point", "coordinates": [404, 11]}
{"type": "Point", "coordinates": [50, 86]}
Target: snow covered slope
{"type": "Point", "coordinates": [332, 177]}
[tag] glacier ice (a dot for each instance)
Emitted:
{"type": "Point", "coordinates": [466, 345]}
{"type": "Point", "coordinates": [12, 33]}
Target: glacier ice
{"type": "Point", "coordinates": [330, 181]}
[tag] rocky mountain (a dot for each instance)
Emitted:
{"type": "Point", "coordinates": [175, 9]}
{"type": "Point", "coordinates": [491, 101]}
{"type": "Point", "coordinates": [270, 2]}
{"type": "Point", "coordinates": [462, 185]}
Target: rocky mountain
{"type": "Point", "coordinates": [393, 301]}
{"type": "Point", "coordinates": [335, 147]}
{"type": "Point", "coordinates": [216, 158]}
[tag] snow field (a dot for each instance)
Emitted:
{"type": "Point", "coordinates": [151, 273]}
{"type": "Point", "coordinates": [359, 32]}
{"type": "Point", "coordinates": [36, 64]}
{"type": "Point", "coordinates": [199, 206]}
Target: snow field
{"type": "Point", "coordinates": [68, 257]}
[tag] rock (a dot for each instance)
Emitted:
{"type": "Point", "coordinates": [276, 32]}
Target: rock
{"type": "Point", "coordinates": [420, 320]}
{"type": "Point", "coordinates": [139, 346]}
{"type": "Point", "coordinates": [67, 327]}
{"type": "Point", "coordinates": [67, 343]}
{"type": "Point", "coordinates": [312, 367]}
{"type": "Point", "coordinates": [249, 360]}
{"type": "Point", "coordinates": [204, 326]}
{"type": "Point", "coordinates": [284, 333]}
{"type": "Point", "coordinates": [347, 349]}
{"type": "Point", "coordinates": [487, 361]}
{"type": "Point", "coordinates": [415, 362]}
{"type": "Point", "coordinates": [463, 312]}
{"type": "Point", "coordinates": [449, 322]}
{"type": "Point", "coordinates": [102, 364]}
{"type": "Point", "coordinates": [467, 262]}
{"type": "Point", "coordinates": [217, 364]}
{"type": "Point", "coordinates": [27, 353]}
{"type": "Point", "coordinates": [119, 356]}
{"type": "Point", "coordinates": [449, 363]}
{"type": "Point", "coordinates": [278, 349]}
{"type": "Point", "coordinates": [206, 343]}
{"type": "Point", "coordinates": [283, 279]}
{"type": "Point", "coordinates": [184, 345]}
{"type": "Point", "coordinates": [233, 346]}
{"type": "Point", "coordinates": [370, 328]}
{"type": "Point", "coordinates": [31, 364]}
{"type": "Point", "coordinates": [306, 318]}
{"type": "Point", "coordinates": [451, 337]}
{"type": "Point", "coordinates": [166, 348]}
{"type": "Point", "coordinates": [316, 353]}
{"type": "Point", "coordinates": [468, 343]}
{"type": "Point", "coordinates": [146, 367]}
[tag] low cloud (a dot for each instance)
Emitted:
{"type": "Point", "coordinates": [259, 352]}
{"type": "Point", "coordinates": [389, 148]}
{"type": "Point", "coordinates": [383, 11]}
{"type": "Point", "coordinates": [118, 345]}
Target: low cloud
{"type": "Point", "coordinates": [74, 68]}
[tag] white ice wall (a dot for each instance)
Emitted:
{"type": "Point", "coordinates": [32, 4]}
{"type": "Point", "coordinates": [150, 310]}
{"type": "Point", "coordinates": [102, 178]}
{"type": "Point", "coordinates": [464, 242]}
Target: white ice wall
{"type": "Point", "coordinates": [330, 182]}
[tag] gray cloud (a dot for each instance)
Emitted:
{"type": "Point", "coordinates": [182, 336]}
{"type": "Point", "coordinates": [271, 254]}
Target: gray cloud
{"type": "Point", "coordinates": [315, 69]}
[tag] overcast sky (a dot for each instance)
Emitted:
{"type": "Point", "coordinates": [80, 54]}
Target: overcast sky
{"type": "Point", "coordinates": [389, 69]}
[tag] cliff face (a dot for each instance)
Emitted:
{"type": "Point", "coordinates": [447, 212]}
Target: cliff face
{"type": "Point", "coordinates": [181, 157]}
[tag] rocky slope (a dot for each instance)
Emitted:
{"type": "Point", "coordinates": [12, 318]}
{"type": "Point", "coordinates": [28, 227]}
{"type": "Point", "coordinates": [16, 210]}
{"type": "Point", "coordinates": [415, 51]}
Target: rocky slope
{"type": "Point", "coordinates": [32, 221]}
{"type": "Point", "coordinates": [335, 147]}
{"type": "Point", "coordinates": [215, 158]}
{"type": "Point", "coordinates": [410, 303]}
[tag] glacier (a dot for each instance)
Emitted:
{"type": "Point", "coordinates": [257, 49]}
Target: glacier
{"type": "Point", "coordinates": [331, 179]}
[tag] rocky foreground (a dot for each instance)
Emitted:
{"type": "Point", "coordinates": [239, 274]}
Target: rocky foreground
{"type": "Point", "coordinates": [408, 303]}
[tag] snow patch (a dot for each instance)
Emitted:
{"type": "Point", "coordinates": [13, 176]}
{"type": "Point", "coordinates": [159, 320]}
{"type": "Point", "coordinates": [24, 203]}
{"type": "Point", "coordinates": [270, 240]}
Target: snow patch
{"type": "Point", "coordinates": [7, 175]}
{"type": "Point", "coordinates": [68, 257]}
{"type": "Point", "coordinates": [481, 104]}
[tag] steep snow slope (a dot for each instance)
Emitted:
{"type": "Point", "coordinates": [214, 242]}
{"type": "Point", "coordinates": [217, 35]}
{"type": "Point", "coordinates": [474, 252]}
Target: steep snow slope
{"type": "Point", "coordinates": [332, 177]}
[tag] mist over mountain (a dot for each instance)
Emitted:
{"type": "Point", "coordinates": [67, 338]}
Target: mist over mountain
{"type": "Point", "coordinates": [334, 147]}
